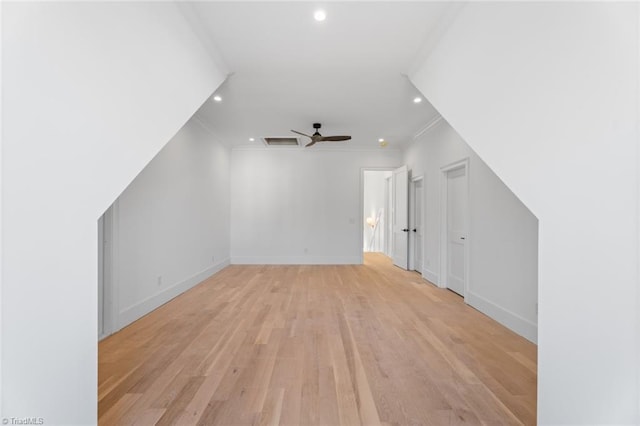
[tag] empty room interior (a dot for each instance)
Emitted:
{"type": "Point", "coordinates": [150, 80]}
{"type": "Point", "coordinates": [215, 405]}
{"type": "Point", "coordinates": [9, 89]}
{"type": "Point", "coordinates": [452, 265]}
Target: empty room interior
{"type": "Point", "coordinates": [332, 213]}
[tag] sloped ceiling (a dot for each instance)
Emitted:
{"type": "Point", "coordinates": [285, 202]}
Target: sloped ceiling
{"type": "Point", "coordinates": [288, 71]}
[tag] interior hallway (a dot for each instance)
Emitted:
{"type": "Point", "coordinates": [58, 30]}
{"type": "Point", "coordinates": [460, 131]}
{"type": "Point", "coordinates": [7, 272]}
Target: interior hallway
{"type": "Point", "coordinates": [369, 344]}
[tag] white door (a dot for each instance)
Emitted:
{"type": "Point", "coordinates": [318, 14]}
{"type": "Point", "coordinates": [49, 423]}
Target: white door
{"type": "Point", "coordinates": [388, 223]}
{"type": "Point", "coordinates": [400, 244]}
{"type": "Point", "coordinates": [456, 229]}
{"type": "Point", "coordinates": [416, 226]}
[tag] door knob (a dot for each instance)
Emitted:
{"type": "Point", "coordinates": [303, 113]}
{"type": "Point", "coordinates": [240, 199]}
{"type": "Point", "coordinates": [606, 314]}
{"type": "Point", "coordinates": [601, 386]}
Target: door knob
{"type": "Point", "coordinates": [415, 230]}
{"type": "Point", "coordinates": [405, 230]}
{"type": "Point", "coordinates": [462, 238]}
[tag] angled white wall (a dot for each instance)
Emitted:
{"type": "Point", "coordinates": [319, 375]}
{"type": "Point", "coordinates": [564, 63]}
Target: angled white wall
{"type": "Point", "coordinates": [296, 206]}
{"type": "Point", "coordinates": [547, 95]}
{"type": "Point", "coordinates": [91, 92]}
{"type": "Point", "coordinates": [171, 223]}
{"type": "Point", "coordinates": [502, 238]}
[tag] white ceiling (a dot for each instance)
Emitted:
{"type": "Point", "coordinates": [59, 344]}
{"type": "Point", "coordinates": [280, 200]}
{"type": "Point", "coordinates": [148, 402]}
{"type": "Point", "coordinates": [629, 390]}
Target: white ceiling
{"type": "Point", "coordinates": [288, 71]}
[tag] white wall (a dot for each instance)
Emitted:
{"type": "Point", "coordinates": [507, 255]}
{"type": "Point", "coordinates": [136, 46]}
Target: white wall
{"type": "Point", "coordinates": [547, 95]}
{"type": "Point", "coordinates": [299, 205]}
{"type": "Point", "coordinates": [502, 235]}
{"type": "Point", "coordinates": [172, 223]}
{"type": "Point", "coordinates": [91, 92]}
{"type": "Point", "coordinates": [1, 221]}
{"type": "Point", "coordinates": [374, 199]}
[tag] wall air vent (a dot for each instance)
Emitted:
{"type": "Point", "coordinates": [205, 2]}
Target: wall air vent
{"type": "Point", "coordinates": [281, 141]}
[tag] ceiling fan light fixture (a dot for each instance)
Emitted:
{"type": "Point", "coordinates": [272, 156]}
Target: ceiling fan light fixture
{"type": "Point", "coordinates": [317, 137]}
{"type": "Point", "coordinates": [319, 15]}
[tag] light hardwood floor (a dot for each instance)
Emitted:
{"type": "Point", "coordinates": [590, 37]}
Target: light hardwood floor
{"type": "Point", "coordinates": [304, 345]}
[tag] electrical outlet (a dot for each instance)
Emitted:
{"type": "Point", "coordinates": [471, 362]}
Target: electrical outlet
{"type": "Point", "coordinates": [159, 280]}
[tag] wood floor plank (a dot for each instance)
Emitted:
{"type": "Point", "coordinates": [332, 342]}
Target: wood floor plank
{"type": "Point", "coordinates": [270, 416]}
{"type": "Point", "coordinates": [316, 345]}
{"type": "Point", "coordinates": [149, 417]}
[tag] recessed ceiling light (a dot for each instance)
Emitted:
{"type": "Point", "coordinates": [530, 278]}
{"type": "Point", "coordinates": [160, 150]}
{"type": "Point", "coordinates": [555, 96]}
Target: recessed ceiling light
{"type": "Point", "coordinates": [319, 15]}
{"type": "Point", "coordinates": [417, 100]}
{"type": "Point", "coordinates": [217, 98]}
{"type": "Point", "coordinates": [380, 140]}
{"type": "Point", "coordinates": [251, 139]}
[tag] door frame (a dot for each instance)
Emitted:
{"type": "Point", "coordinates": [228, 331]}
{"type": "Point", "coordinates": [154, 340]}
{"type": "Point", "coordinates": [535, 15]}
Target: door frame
{"type": "Point", "coordinates": [412, 219]}
{"type": "Point", "coordinates": [360, 216]}
{"type": "Point", "coordinates": [444, 207]}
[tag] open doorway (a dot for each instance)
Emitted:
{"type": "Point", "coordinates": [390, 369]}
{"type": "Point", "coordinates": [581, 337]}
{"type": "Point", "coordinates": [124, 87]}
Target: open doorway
{"type": "Point", "coordinates": [376, 200]}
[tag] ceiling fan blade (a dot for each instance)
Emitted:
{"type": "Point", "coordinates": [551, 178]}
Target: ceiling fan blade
{"type": "Point", "coordinates": [335, 138]}
{"type": "Point", "coordinates": [300, 133]}
{"type": "Point", "coordinates": [310, 143]}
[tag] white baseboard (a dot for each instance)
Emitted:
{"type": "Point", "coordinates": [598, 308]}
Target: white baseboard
{"type": "Point", "coordinates": [137, 311]}
{"type": "Point", "coordinates": [514, 322]}
{"type": "Point", "coordinates": [430, 276]}
{"type": "Point", "coordinates": [295, 260]}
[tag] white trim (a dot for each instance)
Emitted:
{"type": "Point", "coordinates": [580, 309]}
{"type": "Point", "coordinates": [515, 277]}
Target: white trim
{"type": "Point", "coordinates": [297, 260]}
{"type": "Point", "coordinates": [430, 125]}
{"type": "Point", "coordinates": [216, 137]}
{"type": "Point", "coordinates": [463, 163]}
{"type": "Point", "coordinates": [137, 311]}
{"type": "Point", "coordinates": [430, 276]}
{"type": "Point", "coordinates": [514, 322]}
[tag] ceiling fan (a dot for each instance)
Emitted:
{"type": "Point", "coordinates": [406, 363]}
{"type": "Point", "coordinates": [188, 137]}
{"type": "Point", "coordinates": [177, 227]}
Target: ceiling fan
{"type": "Point", "coordinates": [317, 137]}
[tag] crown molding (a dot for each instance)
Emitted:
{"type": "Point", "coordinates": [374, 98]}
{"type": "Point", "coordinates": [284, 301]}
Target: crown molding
{"type": "Point", "coordinates": [208, 129]}
{"type": "Point", "coordinates": [430, 125]}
